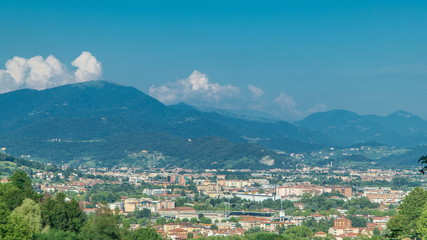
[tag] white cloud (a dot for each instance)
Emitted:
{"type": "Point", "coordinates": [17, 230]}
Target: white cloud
{"type": "Point", "coordinates": [286, 103]}
{"type": "Point", "coordinates": [39, 73]}
{"type": "Point", "coordinates": [289, 107]}
{"type": "Point", "coordinates": [256, 91]}
{"type": "Point", "coordinates": [196, 88]}
{"type": "Point", "coordinates": [88, 67]}
{"type": "Point", "coordinates": [317, 108]}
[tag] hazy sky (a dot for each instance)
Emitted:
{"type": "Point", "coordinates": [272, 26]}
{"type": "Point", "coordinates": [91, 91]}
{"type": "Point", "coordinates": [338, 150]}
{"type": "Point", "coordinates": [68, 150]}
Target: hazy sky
{"type": "Point", "coordinates": [289, 58]}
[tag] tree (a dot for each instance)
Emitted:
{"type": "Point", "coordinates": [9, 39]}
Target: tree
{"type": "Point", "coordinates": [254, 230]}
{"type": "Point", "coordinates": [144, 234]}
{"type": "Point", "coordinates": [4, 218]}
{"type": "Point", "coordinates": [404, 223]}
{"type": "Point", "coordinates": [24, 221]}
{"type": "Point", "coordinates": [144, 213]}
{"type": "Point", "coordinates": [358, 221]}
{"type": "Point", "coordinates": [281, 229]}
{"type": "Point", "coordinates": [11, 195]}
{"type": "Point", "coordinates": [205, 220]}
{"type": "Point", "coordinates": [21, 180]}
{"type": "Point", "coordinates": [299, 231]}
{"type": "Point", "coordinates": [28, 214]}
{"type": "Point", "coordinates": [376, 232]}
{"type": "Point", "coordinates": [264, 236]}
{"type": "Point", "coordinates": [14, 193]}
{"type": "Point", "coordinates": [423, 160]}
{"type": "Point", "coordinates": [422, 224]}
{"type": "Point", "coordinates": [360, 203]}
{"type": "Point", "coordinates": [194, 220]}
{"type": "Point", "coordinates": [161, 221]}
{"type": "Point", "coordinates": [55, 234]}
{"type": "Point", "coordinates": [60, 214]}
{"type": "Point", "coordinates": [103, 225]}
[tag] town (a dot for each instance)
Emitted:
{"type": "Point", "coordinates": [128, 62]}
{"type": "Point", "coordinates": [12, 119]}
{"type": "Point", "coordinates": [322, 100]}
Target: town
{"type": "Point", "coordinates": [326, 202]}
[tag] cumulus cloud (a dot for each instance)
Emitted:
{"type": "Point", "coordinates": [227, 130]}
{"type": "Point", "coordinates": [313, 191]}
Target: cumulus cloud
{"type": "Point", "coordinates": [39, 73]}
{"type": "Point", "coordinates": [286, 103]}
{"type": "Point", "coordinates": [289, 107]}
{"type": "Point", "coordinates": [195, 87]}
{"type": "Point", "coordinates": [256, 91]}
{"type": "Point", "coordinates": [88, 67]}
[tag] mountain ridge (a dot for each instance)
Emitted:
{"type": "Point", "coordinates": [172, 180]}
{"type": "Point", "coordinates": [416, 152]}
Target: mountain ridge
{"type": "Point", "coordinates": [102, 121]}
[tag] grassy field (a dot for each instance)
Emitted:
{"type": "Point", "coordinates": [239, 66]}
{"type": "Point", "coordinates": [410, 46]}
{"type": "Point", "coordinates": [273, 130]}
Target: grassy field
{"type": "Point", "coordinates": [6, 168]}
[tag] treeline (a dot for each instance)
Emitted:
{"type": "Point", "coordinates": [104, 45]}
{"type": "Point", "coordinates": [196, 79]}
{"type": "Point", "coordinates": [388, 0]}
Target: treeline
{"type": "Point", "coordinates": [292, 233]}
{"type": "Point", "coordinates": [397, 183]}
{"type": "Point", "coordinates": [27, 215]}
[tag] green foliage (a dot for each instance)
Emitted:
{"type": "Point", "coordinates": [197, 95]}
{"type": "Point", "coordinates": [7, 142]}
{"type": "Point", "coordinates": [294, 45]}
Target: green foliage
{"type": "Point", "coordinates": [102, 226]}
{"type": "Point", "coordinates": [402, 183]}
{"type": "Point", "coordinates": [321, 225]}
{"type": "Point", "coordinates": [320, 203]}
{"type": "Point", "coordinates": [61, 214]}
{"type": "Point", "coordinates": [205, 220]}
{"type": "Point", "coordinates": [21, 180]}
{"type": "Point", "coordinates": [108, 193]}
{"type": "Point", "coordinates": [223, 238]}
{"type": "Point", "coordinates": [14, 193]}
{"type": "Point", "coordinates": [144, 213]}
{"type": "Point", "coordinates": [404, 223]}
{"type": "Point", "coordinates": [277, 204]}
{"type": "Point", "coordinates": [422, 224]}
{"type": "Point", "coordinates": [22, 163]}
{"type": "Point", "coordinates": [299, 232]}
{"type": "Point", "coordinates": [358, 221]}
{"type": "Point", "coordinates": [375, 212]}
{"type": "Point", "coordinates": [24, 221]}
{"type": "Point", "coordinates": [376, 232]}
{"type": "Point", "coordinates": [423, 161]}
{"type": "Point", "coordinates": [161, 221]}
{"type": "Point", "coordinates": [55, 234]}
{"type": "Point", "coordinates": [11, 195]}
{"type": "Point", "coordinates": [264, 236]}
{"type": "Point", "coordinates": [360, 203]}
{"type": "Point", "coordinates": [194, 220]}
{"type": "Point", "coordinates": [4, 218]}
{"type": "Point", "coordinates": [254, 230]}
{"type": "Point", "coordinates": [144, 234]}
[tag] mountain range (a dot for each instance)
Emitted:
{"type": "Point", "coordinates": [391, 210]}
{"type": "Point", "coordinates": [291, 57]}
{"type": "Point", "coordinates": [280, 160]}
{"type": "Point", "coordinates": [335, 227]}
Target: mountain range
{"type": "Point", "coordinates": [102, 123]}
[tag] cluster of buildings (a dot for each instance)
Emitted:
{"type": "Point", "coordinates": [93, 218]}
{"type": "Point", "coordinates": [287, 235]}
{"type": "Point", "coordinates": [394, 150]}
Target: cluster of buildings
{"type": "Point", "coordinates": [275, 184]}
{"type": "Point", "coordinates": [343, 228]}
{"type": "Point", "coordinates": [300, 188]}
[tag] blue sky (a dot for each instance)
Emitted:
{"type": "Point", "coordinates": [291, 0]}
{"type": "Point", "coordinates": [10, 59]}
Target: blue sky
{"type": "Point", "coordinates": [288, 58]}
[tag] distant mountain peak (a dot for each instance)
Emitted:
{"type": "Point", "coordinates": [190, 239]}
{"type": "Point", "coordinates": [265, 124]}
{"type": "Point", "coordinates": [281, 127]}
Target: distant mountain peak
{"type": "Point", "coordinates": [330, 116]}
{"type": "Point", "coordinates": [401, 113]}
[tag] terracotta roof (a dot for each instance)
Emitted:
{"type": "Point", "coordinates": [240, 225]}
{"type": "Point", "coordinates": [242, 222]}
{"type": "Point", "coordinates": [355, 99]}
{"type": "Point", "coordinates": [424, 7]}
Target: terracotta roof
{"type": "Point", "coordinates": [178, 230]}
{"type": "Point", "coordinates": [254, 219]}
